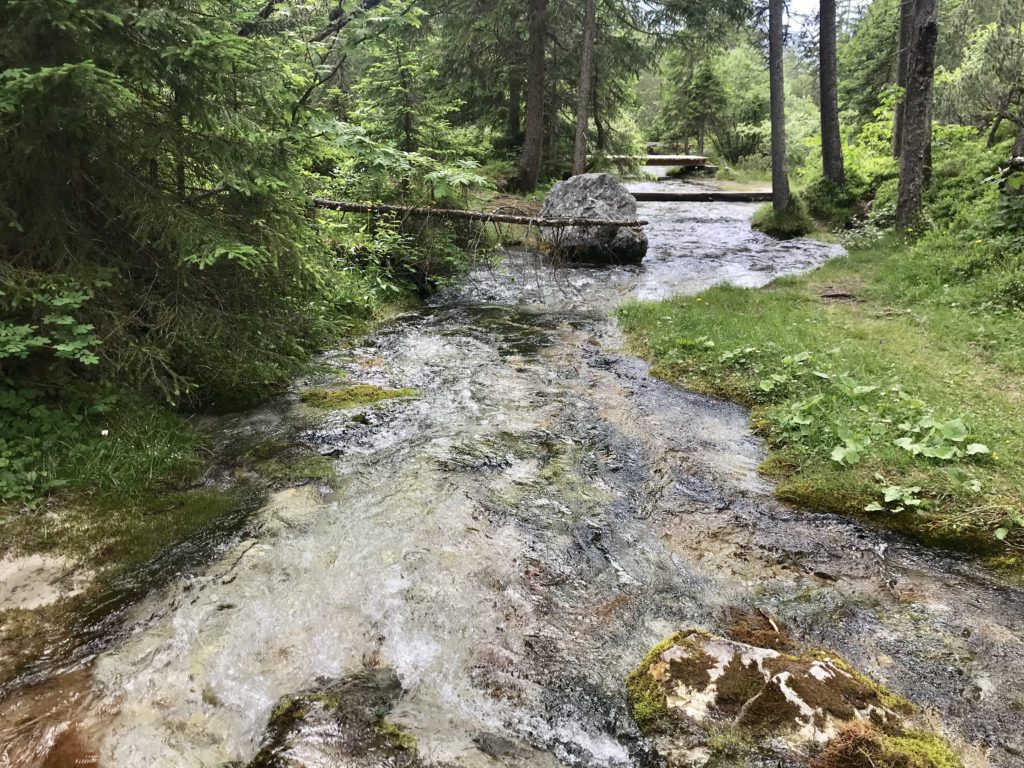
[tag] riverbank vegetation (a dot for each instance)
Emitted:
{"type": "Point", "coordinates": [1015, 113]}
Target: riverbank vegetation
{"type": "Point", "coordinates": [162, 256]}
{"type": "Point", "coordinates": [888, 383]}
{"type": "Point", "coordinates": [882, 382]}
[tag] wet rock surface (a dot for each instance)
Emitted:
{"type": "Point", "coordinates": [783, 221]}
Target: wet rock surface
{"type": "Point", "coordinates": [593, 196]}
{"type": "Point", "coordinates": [340, 724]}
{"type": "Point", "coordinates": [703, 698]}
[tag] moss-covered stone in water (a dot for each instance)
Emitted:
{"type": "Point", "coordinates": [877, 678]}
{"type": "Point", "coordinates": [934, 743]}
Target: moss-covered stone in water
{"type": "Point", "coordinates": [350, 397]}
{"type": "Point", "coordinates": [646, 696]}
{"type": "Point", "coordinates": [401, 739]}
{"type": "Point", "coordinates": [773, 704]}
{"type": "Point", "coordinates": [268, 448]}
{"type": "Point", "coordinates": [352, 712]}
{"type": "Point", "coordinates": [285, 471]}
{"type": "Point", "coordinates": [860, 745]}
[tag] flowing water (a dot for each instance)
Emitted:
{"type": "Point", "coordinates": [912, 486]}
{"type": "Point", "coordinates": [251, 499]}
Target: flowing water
{"type": "Point", "coordinates": [513, 539]}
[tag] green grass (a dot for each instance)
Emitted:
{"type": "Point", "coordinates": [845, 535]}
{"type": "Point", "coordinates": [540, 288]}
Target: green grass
{"type": "Point", "coordinates": [103, 465]}
{"type": "Point", "coordinates": [791, 222]}
{"type": "Point", "coordinates": [886, 344]}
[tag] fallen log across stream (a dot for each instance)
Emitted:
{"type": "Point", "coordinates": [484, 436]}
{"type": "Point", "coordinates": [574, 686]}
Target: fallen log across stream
{"type": "Point", "coordinates": [455, 213]}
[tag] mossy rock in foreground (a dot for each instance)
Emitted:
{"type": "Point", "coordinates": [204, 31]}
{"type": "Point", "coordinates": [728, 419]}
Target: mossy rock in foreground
{"type": "Point", "coordinates": [711, 701]}
{"type": "Point", "coordinates": [339, 724]}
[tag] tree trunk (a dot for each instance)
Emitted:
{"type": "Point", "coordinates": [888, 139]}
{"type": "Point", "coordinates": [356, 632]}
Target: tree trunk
{"type": "Point", "coordinates": [917, 110]}
{"type": "Point", "coordinates": [991, 141]}
{"type": "Point", "coordinates": [602, 136]}
{"type": "Point", "coordinates": [1018, 142]}
{"type": "Point", "coordinates": [579, 159]}
{"type": "Point", "coordinates": [515, 98]}
{"type": "Point", "coordinates": [780, 179]}
{"type": "Point", "coordinates": [906, 44]}
{"type": "Point", "coordinates": [831, 142]}
{"type": "Point", "coordinates": [533, 144]}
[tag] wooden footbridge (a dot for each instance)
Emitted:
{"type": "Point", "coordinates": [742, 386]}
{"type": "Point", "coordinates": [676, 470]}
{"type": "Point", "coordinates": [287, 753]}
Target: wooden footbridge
{"type": "Point", "coordinates": [700, 165]}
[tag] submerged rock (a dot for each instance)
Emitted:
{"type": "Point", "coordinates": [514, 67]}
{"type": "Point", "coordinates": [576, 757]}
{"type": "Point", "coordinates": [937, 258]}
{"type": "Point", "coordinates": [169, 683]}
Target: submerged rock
{"type": "Point", "coordinates": [593, 196]}
{"type": "Point", "coordinates": [703, 699]}
{"type": "Point", "coordinates": [340, 724]}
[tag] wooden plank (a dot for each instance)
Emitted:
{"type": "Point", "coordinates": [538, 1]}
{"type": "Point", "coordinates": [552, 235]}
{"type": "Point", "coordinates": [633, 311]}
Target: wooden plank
{"type": "Point", "coordinates": [702, 197]}
{"type": "Point", "coordinates": [682, 161]}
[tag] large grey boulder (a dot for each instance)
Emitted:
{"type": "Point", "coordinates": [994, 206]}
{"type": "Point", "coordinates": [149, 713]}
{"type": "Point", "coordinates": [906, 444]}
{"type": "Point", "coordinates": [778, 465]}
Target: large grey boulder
{"type": "Point", "coordinates": [593, 196]}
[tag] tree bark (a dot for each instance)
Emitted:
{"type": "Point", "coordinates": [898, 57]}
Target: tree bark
{"type": "Point", "coordinates": [602, 135]}
{"type": "Point", "coordinates": [1018, 141]}
{"type": "Point", "coordinates": [902, 68]}
{"type": "Point", "coordinates": [831, 142]}
{"type": "Point", "coordinates": [916, 139]}
{"type": "Point", "coordinates": [991, 141]}
{"type": "Point", "coordinates": [533, 144]}
{"type": "Point", "coordinates": [515, 113]}
{"type": "Point", "coordinates": [780, 179]}
{"type": "Point", "coordinates": [579, 160]}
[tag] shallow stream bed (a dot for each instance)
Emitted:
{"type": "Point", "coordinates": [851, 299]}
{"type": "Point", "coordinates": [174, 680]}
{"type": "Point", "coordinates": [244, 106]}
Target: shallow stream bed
{"type": "Point", "coordinates": [513, 539]}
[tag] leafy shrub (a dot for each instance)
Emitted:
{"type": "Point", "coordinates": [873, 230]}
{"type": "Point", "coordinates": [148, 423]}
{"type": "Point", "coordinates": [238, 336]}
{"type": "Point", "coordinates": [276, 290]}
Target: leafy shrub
{"type": "Point", "coordinates": [835, 206]}
{"type": "Point", "coordinates": [883, 206]}
{"type": "Point", "coordinates": [156, 234]}
{"type": "Point", "coordinates": [739, 142]}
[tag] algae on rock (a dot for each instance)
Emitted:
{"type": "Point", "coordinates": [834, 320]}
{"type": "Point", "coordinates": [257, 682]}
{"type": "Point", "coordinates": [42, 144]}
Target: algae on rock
{"type": "Point", "coordinates": [339, 724]}
{"type": "Point", "coordinates": [709, 701]}
{"type": "Point", "coordinates": [352, 396]}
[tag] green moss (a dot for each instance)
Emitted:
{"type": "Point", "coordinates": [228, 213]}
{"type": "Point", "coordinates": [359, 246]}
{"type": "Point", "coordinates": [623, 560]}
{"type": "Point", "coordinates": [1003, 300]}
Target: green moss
{"type": "Point", "coordinates": [292, 470]}
{"type": "Point", "coordinates": [793, 221]}
{"type": "Point", "coordinates": [730, 746]}
{"type": "Point", "coordinates": [860, 745]}
{"type": "Point", "coordinates": [269, 447]}
{"type": "Point", "coordinates": [398, 737]}
{"type": "Point", "coordinates": [350, 397]}
{"type": "Point", "coordinates": [646, 697]}
{"type": "Point", "coordinates": [917, 749]}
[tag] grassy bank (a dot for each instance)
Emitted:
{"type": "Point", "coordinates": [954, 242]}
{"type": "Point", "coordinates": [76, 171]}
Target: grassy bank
{"type": "Point", "coordinates": [133, 483]}
{"type": "Point", "coordinates": [888, 385]}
